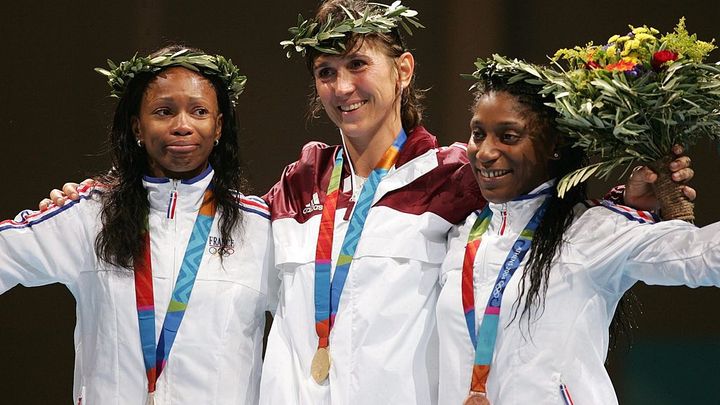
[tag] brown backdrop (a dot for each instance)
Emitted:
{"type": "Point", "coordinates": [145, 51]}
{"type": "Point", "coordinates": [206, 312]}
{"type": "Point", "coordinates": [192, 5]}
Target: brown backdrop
{"type": "Point", "coordinates": [55, 113]}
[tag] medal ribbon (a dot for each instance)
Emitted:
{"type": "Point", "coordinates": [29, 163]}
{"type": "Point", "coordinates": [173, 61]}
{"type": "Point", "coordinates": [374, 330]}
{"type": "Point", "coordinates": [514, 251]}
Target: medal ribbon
{"type": "Point", "coordinates": [328, 299]}
{"type": "Point", "coordinates": [484, 342]}
{"type": "Point", "coordinates": [156, 357]}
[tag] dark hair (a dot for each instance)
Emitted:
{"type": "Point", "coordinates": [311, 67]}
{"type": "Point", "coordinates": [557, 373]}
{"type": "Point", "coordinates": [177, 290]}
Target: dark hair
{"type": "Point", "coordinates": [125, 205]}
{"type": "Point", "coordinates": [392, 43]}
{"type": "Point", "coordinates": [549, 236]}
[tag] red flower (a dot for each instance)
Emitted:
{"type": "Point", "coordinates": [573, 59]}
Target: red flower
{"type": "Point", "coordinates": [592, 65]}
{"type": "Point", "coordinates": [621, 66]}
{"type": "Point", "coordinates": [660, 57]}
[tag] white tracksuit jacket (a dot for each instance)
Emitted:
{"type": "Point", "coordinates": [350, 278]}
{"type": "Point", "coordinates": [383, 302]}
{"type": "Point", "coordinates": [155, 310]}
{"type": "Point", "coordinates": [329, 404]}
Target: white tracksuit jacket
{"type": "Point", "coordinates": [606, 251]}
{"type": "Point", "coordinates": [216, 358]}
{"type": "Point", "coordinates": [384, 342]}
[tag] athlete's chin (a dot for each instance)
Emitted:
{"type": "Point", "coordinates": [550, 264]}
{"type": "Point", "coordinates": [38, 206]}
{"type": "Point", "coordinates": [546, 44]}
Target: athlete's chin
{"type": "Point", "coordinates": [496, 195]}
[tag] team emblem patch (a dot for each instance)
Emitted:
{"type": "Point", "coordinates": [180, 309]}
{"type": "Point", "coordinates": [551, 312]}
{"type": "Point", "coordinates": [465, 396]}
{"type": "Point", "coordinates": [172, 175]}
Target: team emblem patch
{"type": "Point", "coordinates": [218, 246]}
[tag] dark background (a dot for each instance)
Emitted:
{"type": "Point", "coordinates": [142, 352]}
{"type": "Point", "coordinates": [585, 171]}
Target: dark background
{"type": "Point", "coordinates": [55, 114]}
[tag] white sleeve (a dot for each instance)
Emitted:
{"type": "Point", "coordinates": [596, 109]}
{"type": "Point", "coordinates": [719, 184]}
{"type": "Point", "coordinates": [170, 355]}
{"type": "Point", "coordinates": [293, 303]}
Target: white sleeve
{"type": "Point", "coordinates": [677, 253]}
{"type": "Point", "coordinates": [273, 287]}
{"type": "Point", "coordinates": [258, 224]}
{"type": "Point", "coordinates": [618, 251]}
{"type": "Point", "coordinates": [46, 247]}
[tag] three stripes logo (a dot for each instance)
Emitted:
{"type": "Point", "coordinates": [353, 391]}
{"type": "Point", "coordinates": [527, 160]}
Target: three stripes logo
{"type": "Point", "coordinates": [313, 205]}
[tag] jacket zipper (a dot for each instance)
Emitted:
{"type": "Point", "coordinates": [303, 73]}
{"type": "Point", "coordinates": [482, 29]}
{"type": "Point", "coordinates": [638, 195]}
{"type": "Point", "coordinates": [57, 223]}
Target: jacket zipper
{"type": "Point", "coordinates": [172, 201]}
{"type": "Point", "coordinates": [504, 219]}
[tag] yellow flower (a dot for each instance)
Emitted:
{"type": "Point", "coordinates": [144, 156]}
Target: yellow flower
{"type": "Point", "coordinates": [640, 30]}
{"type": "Point", "coordinates": [613, 39]}
{"type": "Point", "coordinates": [644, 37]}
{"type": "Point", "coordinates": [631, 59]}
{"type": "Point", "coordinates": [630, 46]}
{"type": "Point", "coordinates": [611, 50]}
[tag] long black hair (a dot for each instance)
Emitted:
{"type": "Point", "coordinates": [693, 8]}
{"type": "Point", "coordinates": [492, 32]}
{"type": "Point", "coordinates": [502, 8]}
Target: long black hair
{"type": "Point", "coordinates": [125, 204]}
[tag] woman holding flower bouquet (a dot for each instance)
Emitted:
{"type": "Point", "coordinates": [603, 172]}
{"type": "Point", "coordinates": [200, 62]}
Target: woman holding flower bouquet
{"type": "Point", "coordinates": [532, 280]}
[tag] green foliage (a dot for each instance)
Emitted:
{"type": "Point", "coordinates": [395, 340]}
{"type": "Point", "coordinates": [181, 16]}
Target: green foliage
{"type": "Point", "coordinates": [331, 36]}
{"type": "Point", "coordinates": [121, 74]}
{"type": "Point", "coordinates": [687, 45]}
{"type": "Point", "coordinates": [513, 70]}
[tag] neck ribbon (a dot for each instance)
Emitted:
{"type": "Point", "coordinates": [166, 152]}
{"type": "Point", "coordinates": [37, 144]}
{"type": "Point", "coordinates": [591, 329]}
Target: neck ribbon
{"type": "Point", "coordinates": [156, 356]}
{"type": "Point", "coordinates": [327, 292]}
{"type": "Point", "coordinates": [484, 342]}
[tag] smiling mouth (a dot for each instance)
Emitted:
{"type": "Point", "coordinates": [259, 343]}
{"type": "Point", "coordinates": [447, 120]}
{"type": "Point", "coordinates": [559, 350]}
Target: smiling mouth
{"type": "Point", "coordinates": [351, 107]}
{"type": "Point", "coordinates": [493, 173]}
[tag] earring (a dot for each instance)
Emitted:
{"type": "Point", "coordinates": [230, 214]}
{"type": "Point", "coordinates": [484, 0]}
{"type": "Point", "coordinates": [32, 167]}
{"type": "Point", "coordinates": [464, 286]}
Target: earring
{"type": "Point", "coordinates": [139, 143]}
{"type": "Point", "coordinates": [216, 142]}
{"type": "Point", "coordinates": [556, 155]}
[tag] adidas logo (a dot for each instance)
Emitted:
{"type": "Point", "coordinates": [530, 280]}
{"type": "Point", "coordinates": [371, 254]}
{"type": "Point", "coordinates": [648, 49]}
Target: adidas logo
{"type": "Point", "coordinates": [313, 205]}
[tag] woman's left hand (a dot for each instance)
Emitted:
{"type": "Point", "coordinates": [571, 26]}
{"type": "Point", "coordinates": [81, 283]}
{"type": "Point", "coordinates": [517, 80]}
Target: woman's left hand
{"type": "Point", "coordinates": [639, 192]}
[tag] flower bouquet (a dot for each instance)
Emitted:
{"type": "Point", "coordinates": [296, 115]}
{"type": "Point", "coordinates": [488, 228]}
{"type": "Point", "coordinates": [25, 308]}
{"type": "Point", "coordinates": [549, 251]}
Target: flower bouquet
{"type": "Point", "coordinates": [630, 100]}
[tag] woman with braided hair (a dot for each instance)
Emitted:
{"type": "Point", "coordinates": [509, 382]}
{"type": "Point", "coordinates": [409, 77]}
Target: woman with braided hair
{"type": "Point", "coordinates": [168, 263]}
{"type": "Point", "coordinates": [541, 336]}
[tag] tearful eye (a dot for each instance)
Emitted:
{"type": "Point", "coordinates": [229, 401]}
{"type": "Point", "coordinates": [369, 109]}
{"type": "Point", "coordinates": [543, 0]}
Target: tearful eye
{"type": "Point", "coordinates": [164, 111]}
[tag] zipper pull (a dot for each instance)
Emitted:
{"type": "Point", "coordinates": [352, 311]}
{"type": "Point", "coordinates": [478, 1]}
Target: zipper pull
{"type": "Point", "coordinates": [504, 219]}
{"type": "Point", "coordinates": [172, 201]}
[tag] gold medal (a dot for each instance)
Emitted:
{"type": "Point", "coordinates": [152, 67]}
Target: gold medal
{"type": "Point", "coordinates": [476, 398]}
{"type": "Point", "coordinates": [320, 367]}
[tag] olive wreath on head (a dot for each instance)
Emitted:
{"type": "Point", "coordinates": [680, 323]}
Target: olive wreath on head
{"type": "Point", "coordinates": [330, 37]}
{"type": "Point", "coordinates": [120, 75]}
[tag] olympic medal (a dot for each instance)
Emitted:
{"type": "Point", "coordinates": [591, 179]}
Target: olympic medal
{"type": "Point", "coordinates": [320, 367]}
{"type": "Point", "coordinates": [476, 398]}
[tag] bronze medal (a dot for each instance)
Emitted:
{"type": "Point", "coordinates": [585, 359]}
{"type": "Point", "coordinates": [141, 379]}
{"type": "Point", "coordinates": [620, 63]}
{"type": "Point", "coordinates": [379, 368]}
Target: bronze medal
{"type": "Point", "coordinates": [476, 398]}
{"type": "Point", "coordinates": [320, 367]}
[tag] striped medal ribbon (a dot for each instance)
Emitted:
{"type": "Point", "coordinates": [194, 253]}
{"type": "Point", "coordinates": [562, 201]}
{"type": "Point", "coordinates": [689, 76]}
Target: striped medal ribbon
{"type": "Point", "coordinates": [156, 356]}
{"type": "Point", "coordinates": [327, 291]}
{"type": "Point", "coordinates": [484, 341]}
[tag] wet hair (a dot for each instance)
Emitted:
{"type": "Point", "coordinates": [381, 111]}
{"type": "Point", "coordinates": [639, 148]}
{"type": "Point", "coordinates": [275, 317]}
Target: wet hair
{"type": "Point", "coordinates": [549, 237]}
{"type": "Point", "coordinates": [125, 204]}
{"type": "Point", "coordinates": [391, 43]}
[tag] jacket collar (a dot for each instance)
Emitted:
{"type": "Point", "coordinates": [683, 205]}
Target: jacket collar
{"type": "Point", "coordinates": [185, 194]}
{"type": "Point", "coordinates": [516, 213]}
